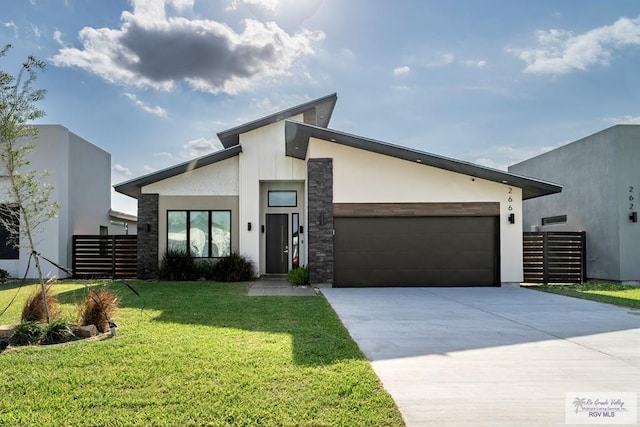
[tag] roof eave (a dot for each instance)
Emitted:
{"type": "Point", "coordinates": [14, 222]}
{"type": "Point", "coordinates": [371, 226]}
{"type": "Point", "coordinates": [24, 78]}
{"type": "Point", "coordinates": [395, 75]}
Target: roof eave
{"type": "Point", "coordinates": [323, 108]}
{"type": "Point", "coordinates": [297, 143]}
{"type": "Point", "coordinates": [133, 188]}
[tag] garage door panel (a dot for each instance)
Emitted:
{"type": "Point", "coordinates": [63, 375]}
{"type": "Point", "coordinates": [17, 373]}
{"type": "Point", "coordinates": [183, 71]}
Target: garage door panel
{"type": "Point", "coordinates": [416, 251]}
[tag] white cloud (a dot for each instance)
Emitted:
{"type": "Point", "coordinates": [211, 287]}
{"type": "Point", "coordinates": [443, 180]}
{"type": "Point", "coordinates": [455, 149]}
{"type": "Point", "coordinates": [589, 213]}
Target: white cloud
{"type": "Point", "coordinates": [200, 147]}
{"type": "Point", "coordinates": [151, 49]}
{"type": "Point", "coordinates": [401, 71]}
{"type": "Point", "coordinates": [269, 5]}
{"type": "Point", "coordinates": [442, 60]}
{"type": "Point", "coordinates": [478, 63]}
{"type": "Point", "coordinates": [57, 37]}
{"type": "Point", "coordinates": [156, 111]}
{"type": "Point", "coordinates": [36, 31]}
{"type": "Point", "coordinates": [121, 170]}
{"type": "Point", "coordinates": [149, 169]}
{"type": "Point", "coordinates": [624, 120]}
{"type": "Point", "coordinates": [162, 154]}
{"type": "Point", "coordinates": [560, 51]}
{"type": "Point", "coordinates": [11, 24]}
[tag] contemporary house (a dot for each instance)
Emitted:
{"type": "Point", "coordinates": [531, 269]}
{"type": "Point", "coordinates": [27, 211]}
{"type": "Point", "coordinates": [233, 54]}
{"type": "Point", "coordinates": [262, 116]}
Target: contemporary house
{"type": "Point", "coordinates": [80, 174]}
{"type": "Point", "coordinates": [600, 175]}
{"type": "Point", "coordinates": [288, 191]}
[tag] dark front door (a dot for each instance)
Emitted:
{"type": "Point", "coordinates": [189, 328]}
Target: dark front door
{"type": "Point", "coordinates": [277, 246]}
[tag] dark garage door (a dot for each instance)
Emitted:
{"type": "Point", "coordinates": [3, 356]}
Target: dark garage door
{"type": "Point", "coordinates": [416, 251]}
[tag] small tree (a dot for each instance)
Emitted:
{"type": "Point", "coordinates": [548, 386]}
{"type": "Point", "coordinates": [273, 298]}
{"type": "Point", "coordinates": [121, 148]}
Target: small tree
{"type": "Point", "coordinates": [25, 203]}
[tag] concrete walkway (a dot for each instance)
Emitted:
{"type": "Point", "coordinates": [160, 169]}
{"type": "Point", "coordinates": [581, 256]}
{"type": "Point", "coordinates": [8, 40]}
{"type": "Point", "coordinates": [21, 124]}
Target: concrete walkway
{"type": "Point", "coordinates": [490, 356]}
{"type": "Point", "coordinates": [278, 286]}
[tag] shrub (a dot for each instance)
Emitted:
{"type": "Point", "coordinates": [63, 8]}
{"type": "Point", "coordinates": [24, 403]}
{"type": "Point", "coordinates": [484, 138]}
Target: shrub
{"type": "Point", "coordinates": [178, 265]}
{"type": "Point", "coordinates": [33, 310]}
{"type": "Point", "coordinates": [4, 275]}
{"type": "Point", "coordinates": [58, 331]}
{"type": "Point", "coordinates": [234, 268]}
{"type": "Point", "coordinates": [299, 276]}
{"type": "Point", "coordinates": [97, 308]}
{"type": "Point", "coordinates": [27, 333]}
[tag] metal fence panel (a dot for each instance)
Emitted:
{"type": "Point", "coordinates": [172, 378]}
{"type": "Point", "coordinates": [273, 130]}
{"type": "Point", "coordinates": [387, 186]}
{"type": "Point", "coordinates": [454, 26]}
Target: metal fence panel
{"type": "Point", "coordinates": [554, 257]}
{"type": "Point", "coordinates": [114, 256]}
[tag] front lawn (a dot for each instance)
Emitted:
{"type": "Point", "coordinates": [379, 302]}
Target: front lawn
{"type": "Point", "coordinates": [621, 295]}
{"type": "Point", "coordinates": [195, 353]}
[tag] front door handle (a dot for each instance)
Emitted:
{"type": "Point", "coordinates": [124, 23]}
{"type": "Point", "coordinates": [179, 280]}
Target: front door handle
{"type": "Point", "coordinates": [286, 249]}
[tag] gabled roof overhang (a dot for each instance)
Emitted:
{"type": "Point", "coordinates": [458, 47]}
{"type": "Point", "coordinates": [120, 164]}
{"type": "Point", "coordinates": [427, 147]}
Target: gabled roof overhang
{"type": "Point", "coordinates": [317, 112]}
{"type": "Point", "coordinates": [297, 137]}
{"type": "Point", "coordinates": [133, 187]}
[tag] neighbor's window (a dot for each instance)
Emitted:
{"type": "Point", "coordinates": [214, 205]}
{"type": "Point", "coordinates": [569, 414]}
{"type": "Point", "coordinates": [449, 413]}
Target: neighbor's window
{"type": "Point", "coordinates": [11, 214]}
{"type": "Point", "coordinates": [559, 219]}
{"type": "Point", "coordinates": [288, 199]}
{"type": "Point", "coordinates": [204, 234]}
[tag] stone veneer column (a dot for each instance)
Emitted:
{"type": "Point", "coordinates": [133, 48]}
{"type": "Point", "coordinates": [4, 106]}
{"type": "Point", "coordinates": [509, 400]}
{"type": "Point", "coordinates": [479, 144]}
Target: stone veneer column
{"type": "Point", "coordinates": [320, 220]}
{"type": "Point", "coordinates": [147, 236]}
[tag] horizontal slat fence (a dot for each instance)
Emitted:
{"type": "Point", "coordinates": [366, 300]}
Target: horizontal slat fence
{"type": "Point", "coordinates": [554, 257]}
{"type": "Point", "coordinates": [113, 256]}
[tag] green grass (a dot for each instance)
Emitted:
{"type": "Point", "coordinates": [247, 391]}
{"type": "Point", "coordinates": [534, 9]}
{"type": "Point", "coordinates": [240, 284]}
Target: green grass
{"type": "Point", "coordinates": [195, 353]}
{"type": "Point", "coordinates": [620, 295]}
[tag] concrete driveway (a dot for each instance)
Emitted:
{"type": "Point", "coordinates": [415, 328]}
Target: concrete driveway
{"type": "Point", "coordinates": [490, 356]}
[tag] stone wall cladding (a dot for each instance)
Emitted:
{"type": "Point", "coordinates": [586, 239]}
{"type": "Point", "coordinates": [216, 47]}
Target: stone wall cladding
{"type": "Point", "coordinates": [148, 236]}
{"type": "Point", "coordinates": [320, 220]}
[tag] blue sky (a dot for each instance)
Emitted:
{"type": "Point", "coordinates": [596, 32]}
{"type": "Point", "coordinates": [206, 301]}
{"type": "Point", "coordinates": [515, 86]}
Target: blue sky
{"type": "Point", "coordinates": [491, 82]}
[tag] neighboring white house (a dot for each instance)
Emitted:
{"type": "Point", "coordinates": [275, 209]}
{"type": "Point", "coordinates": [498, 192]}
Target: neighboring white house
{"type": "Point", "coordinates": [80, 173]}
{"type": "Point", "coordinates": [600, 175]}
{"type": "Point", "coordinates": [286, 191]}
{"type": "Point", "coordinates": [122, 223]}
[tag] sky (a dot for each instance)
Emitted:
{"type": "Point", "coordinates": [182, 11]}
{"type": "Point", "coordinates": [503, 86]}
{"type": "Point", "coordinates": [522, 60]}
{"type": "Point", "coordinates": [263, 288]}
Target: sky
{"type": "Point", "coordinates": [490, 82]}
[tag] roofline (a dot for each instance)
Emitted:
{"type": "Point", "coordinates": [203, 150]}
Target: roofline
{"type": "Point", "coordinates": [297, 143]}
{"type": "Point", "coordinates": [231, 137]}
{"type": "Point", "coordinates": [578, 141]}
{"type": "Point", "coordinates": [123, 216]}
{"type": "Point", "coordinates": [133, 187]}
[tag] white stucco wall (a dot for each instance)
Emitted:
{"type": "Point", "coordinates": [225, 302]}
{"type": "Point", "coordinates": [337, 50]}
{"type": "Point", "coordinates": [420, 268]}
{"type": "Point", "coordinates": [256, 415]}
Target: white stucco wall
{"type": "Point", "coordinates": [80, 174]}
{"type": "Point", "coordinates": [361, 176]}
{"type": "Point", "coordinates": [262, 159]}
{"type": "Point", "coordinates": [217, 179]}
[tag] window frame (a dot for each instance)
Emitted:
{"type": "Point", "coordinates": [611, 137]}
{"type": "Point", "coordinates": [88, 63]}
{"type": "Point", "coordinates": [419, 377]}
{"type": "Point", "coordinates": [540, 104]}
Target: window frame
{"type": "Point", "coordinates": [187, 213]}
{"type": "Point", "coordinates": [553, 220]}
{"type": "Point", "coordinates": [295, 199]}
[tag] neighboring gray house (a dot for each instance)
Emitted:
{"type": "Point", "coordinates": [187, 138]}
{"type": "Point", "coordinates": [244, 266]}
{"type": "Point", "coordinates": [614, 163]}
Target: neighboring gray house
{"type": "Point", "coordinates": [600, 175]}
{"type": "Point", "coordinates": [287, 191]}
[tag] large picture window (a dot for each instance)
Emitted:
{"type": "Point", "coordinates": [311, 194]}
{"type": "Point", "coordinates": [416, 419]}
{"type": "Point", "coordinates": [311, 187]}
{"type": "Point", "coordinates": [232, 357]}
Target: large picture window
{"type": "Point", "coordinates": [204, 234]}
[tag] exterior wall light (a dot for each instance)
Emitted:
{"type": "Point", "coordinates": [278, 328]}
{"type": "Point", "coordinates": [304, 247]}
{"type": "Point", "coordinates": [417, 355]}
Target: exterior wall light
{"type": "Point", "coordinates": [249, 226]}
{"type": "Point", "coordinates": [633, 216]}
{"type": "Point", "coordinates": [512, 218]}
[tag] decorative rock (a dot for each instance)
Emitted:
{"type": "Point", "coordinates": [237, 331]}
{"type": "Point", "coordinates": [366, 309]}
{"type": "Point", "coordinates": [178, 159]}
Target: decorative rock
{"type": "Point", "coordinates": [85, 331]}
{"type": "Point", "coordinates": [7, 330]}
